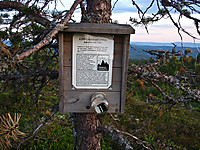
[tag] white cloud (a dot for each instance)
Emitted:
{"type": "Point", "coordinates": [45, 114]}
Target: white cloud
{"type": "Point", "coordinates": [161, 31]}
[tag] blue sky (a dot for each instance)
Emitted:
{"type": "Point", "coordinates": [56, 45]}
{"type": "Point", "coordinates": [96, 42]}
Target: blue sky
{"type": "Point", "coordinates": [162, 31]}
{"type": "Point", "coordinates": [126, 6]}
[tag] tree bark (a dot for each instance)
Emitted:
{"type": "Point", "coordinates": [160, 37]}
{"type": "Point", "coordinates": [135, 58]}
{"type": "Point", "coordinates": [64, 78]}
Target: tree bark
{"type": "Point", "coordinates": [98, 11]}
{"type": "Point", "coordinates": [86, 135]}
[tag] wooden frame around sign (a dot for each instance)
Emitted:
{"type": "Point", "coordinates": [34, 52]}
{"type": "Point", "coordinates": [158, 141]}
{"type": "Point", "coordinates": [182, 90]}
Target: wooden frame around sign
{"type": "Point", "coordinates": [73, 100]}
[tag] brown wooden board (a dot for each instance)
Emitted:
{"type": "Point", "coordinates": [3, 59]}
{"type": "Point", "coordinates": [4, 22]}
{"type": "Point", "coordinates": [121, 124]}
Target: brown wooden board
{"type": "Point", "coordinates": [78, 100]}
{"type": "Point", "coordinates": [124, 71]}
{"type": "Point", "coordinates": [61, 98]}
{"type": "Point", "coordinates": [99, 28]}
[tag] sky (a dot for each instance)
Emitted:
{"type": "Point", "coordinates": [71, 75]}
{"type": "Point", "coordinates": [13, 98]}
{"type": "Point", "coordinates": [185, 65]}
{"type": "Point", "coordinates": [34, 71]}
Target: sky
{"type": "Point", "coordinates": [162, 31]}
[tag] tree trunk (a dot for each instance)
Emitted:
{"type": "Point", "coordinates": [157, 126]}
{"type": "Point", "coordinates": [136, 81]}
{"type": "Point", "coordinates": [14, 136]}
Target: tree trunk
{"type": "Point", "coordinates": [99, 11]}
{"type": "Point", "coordinates": [86, 135]}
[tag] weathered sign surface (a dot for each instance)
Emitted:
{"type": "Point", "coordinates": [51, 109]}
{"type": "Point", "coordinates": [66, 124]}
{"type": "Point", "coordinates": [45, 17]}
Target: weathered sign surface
{"type": "Point", "coordinates": [92, 61]}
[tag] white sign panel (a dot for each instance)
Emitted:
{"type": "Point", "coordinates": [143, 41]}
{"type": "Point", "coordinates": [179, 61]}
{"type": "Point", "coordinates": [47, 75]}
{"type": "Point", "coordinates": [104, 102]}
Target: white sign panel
{"type": "Point", "coordinates": [92, 61]}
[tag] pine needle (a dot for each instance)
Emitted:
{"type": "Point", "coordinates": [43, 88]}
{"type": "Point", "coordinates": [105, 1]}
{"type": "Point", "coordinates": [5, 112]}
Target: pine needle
{"type": "Point", "coordinates": [9, 130]}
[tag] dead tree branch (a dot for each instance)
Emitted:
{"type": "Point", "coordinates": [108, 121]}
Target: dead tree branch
{"type": "Point", "coordinates": [48, 37]}
{"type": "Point", "coordinates": [117, 136]}
{"type": "Point", "coordinates": [145, 73]}
{"type": "Point", "coordinates": [53, 74]}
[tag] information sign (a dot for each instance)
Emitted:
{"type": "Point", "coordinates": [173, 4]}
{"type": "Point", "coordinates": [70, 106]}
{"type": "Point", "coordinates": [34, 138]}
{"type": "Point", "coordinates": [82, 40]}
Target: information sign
{"type": "Point", "coordinates": [92, 61]}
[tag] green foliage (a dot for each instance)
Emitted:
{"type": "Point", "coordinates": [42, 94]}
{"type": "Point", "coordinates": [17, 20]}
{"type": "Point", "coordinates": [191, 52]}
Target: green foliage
{"type": "Point", "coordinates": [109, 144]}
{"type": "Point", "coordinates": [33, 96]}
{"type": "Point", "coordinates": [172, 66]}
{"type": "Point", "coordinates": [1, 20]}
{"type": "Point", "coordinates": [160, 125]}
{"type": "Point", "coordinates": [3, 34]}
{"type": "Point", "coordinates": [3, 17]}
{"type": "Point", "coordinates": [57, 134]}
{"type": "Point", "coordinates": [30, 10]}
{"type": "Point", "coordinates": [162, 12]}
{"type": "Point", "coordinates": [163, 125]}
{"type": "Point", "coordinates": [177, 129]}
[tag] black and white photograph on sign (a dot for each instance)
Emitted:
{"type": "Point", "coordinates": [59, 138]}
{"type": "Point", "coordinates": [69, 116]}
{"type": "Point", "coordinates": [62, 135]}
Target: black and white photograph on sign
{"type": "Point", "coordinates": [103, 64]}
{"type": "Point", "coordinates": [92, 61]}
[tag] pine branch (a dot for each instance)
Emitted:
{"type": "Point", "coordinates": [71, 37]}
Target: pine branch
{"type": "Point", "coordinates": [17, 5]}
{"type": "Point", "coordinates": [9, 130]}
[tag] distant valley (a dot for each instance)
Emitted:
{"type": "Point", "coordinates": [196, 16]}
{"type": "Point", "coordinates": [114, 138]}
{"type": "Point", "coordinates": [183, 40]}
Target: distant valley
{"type": "Point", "coordinates": [140, 46]}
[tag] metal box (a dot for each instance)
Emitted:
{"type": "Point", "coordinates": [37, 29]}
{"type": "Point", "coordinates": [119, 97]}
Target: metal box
{"type": "Point", "coordinates": [78, 56]}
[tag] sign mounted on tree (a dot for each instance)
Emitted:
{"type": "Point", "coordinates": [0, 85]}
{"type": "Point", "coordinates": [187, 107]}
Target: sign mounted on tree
{"type": "Point", "coordinates": [93, 63]}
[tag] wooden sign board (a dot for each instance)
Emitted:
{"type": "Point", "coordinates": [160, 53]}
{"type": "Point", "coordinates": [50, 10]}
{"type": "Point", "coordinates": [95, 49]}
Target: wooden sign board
{"type": "Point", "coordinates": [93, 58]}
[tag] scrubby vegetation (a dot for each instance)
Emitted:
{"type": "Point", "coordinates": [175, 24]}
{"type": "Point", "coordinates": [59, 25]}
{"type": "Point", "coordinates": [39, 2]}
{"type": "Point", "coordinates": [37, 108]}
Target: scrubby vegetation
{"type": "Point", "coordinates": [163, 124]}
{"type": "Point", "coordinates": [162, 104]}
{"type": "Point", "coordinates": [148, 115]}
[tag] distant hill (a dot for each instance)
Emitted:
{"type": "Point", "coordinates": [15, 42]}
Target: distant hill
{"type": "Point", "coordinates": [166, 44]}
{"type": "Point", "coordinates": [140, 46]}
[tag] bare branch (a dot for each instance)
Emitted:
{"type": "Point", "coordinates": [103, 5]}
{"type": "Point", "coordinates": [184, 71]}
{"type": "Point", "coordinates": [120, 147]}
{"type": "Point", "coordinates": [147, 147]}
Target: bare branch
{"type": "Point", "coordinates": [83, 12]}
{"type": "Point", "coordinates": [117, 136]}
{"type": "Point", "coordinates": [139, 141]}
{"type": "Point", "coordinates": [149, 6]}
{"type": "Point", "coordinates": [114, 5]}
{"type": "Point", "coordinates": [49, 36]}
{"type": "Point", "coordinates": [36, 73]}
{"type": "Point", "coordinates": [145, 73]}
{"type": "Point", "coordinates": [182, 12]}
